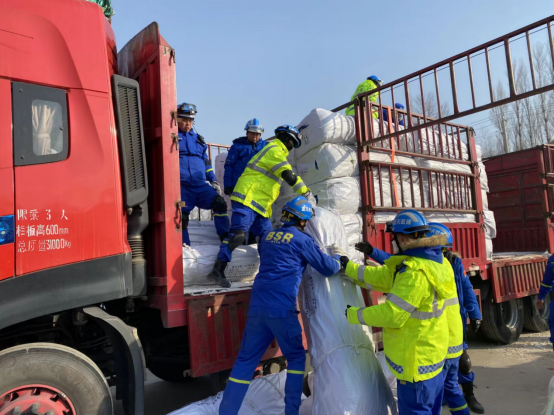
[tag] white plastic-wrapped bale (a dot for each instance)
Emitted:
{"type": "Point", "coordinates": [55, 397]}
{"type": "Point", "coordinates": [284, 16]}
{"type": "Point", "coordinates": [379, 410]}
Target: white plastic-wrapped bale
{"type": "Point", "coordinates": [199, 260]}
{"type": "Point", "coordinates": [341, 195]}
{"type": "Point", "coordinates": [324, 126]}
{"type": "Point", "coordinates": [348, 378]}
{"type": "Point", "coordinates": [353, 224]}
{"type": "Point", "coordinates": [355, 255]}
{"type": "Point", "coordinates": [326, 162]}
{"type": "Point", "coordinates": [202, 233]}
{"type": "Point", "coordinates": [198, 214]}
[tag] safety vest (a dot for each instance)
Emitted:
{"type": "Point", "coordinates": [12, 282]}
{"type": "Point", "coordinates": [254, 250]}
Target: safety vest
{"type": "Point", "coordinates": [414, 320]}
{"type": "Point", "coordinates": [365, 86]}
{"type": "Point", "coordinates": [259, 185]}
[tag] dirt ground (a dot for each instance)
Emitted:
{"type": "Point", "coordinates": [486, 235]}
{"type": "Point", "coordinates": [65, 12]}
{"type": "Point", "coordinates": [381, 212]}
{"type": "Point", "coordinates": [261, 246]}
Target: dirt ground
{"type": "Point", "coordinates": [510, 379]}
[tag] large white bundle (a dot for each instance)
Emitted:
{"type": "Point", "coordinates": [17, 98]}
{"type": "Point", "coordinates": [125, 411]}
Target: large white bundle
{"type": "Point", "coordinates": [324, 126]}
{"type": "Point", "coordinates": [328, 161]}
{"type": "Point", "coordinates": [355, 255]}
{"type": "Point", "coordinates": [202, 233]}
{"type": "Point", "coordinates": [341, 195]}
{"type": "Point", "coordinates": [266, 395]}
{"type": "Point", "coordinates": [490, 223]}
{"type": "Point", "coordinates": [199, 260]}
{"type": "Point", "coordinates": [348, 378]}
{"type": "Point", "coordinates": [204, 214]}
{"type": "Point", "coordinates": [353, 224]}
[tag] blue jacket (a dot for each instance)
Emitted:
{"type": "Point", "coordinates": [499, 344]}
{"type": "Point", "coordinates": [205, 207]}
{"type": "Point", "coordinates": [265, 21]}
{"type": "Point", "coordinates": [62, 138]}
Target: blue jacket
{"type": "Point", "coordinates": [284, 255]}
{"type": "Point", "coordinates": [466, 296]}
{"type": "Point", "coordinates": [386, 117]}
{"type": "Point", "coordinates": [547, 279]}
{"type": "Point", "coordinates": [238, 157]}
{"type": "Point", "coordinates": [194, 166]}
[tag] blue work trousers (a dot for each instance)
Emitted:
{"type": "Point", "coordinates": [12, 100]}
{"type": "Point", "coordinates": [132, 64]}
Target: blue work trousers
{"type": "Point", "coordinates": [463, 378]}
{"type": "Point", "coordinates": [453, 395]}
{"type": "Point", "coordinates": [262, 326]}
{"type": "Point", "coordinates": [552, 321]}
{"type": "Point", "coordinates": [420, 398]}
{"type": "Point", "coordinates": [203, 197]}
{"type": "Point", "coordinates": [246, 220]}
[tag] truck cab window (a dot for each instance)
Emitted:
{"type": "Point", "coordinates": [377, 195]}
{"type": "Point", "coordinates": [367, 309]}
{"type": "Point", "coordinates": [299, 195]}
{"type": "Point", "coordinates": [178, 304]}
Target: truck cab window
{"type": "Point", "coordinates": [40, 124]}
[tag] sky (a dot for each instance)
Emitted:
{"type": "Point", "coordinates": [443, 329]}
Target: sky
{"type": "Point", "coordinates": [276, 61]}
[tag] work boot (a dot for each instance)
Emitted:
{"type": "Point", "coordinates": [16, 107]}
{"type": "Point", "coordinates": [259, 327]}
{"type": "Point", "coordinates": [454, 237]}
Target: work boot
{"type": "Point", "coordinates": [472, 402]}
{"type": "Point", "coordinates": [218, 274]}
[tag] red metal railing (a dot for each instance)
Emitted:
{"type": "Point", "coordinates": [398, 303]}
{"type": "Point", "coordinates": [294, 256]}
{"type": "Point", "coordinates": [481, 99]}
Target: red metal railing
{"type": "Point", "coordinates": [219, 147]}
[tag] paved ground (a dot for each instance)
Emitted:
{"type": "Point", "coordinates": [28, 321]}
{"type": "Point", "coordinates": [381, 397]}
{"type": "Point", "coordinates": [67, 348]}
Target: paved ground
{"type": "Point", "coordinates": [510, 379]}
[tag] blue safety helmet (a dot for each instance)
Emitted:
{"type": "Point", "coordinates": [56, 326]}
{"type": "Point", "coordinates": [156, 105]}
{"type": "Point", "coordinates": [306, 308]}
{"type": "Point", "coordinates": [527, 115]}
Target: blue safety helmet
{"type": "Point", "coordinates": [290, 132]}
{"type": "Point", "coordinates": [185, 110]}
{"type": "Point", "coordinates": [254, 126]}
{"type": "Point", "coordinates": [399, 106]}
{"type": "Point", "coordinates": [375, 79]}
{"type": "Point", "coordinates": [408, 221]}
{"type": "Point", "coordinates": [436, 228]}
{"type": "Point", "coordinates": [299, 207]}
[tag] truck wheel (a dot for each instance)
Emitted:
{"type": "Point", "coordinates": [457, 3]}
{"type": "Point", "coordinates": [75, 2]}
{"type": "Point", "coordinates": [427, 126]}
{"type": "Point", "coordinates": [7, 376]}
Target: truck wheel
{"type": "Point", "coordinates": [169, 372]}
{"type": "Point", "coordinates": [218, 380]}
{"type": "Point", "coordinates": [503, 322]}
{"type": "Point", "coordinates": [272, 366]}
{"type": "Point", "coordinates": [535, 320]}
{"type": "Point", "coordinates": [47, 378]}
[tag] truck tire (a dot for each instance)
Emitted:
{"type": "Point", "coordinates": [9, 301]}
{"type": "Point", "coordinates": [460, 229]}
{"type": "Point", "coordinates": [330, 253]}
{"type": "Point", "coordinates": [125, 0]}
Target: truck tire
{"type": "Point", "coordinates": [502, 322]}
{"type": "Point", "coordinates": [535, 320]}
{"type": "Point", "coordinates": [45, 378]}
{"type": "Point", "coordinates": [218, 380]}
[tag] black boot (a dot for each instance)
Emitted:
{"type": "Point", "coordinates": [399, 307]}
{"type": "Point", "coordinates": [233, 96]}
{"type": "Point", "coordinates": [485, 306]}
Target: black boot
{"type": "Point", "coordinates": [218, 274]}
{"type": "Point", "coordinates": [472, 402]}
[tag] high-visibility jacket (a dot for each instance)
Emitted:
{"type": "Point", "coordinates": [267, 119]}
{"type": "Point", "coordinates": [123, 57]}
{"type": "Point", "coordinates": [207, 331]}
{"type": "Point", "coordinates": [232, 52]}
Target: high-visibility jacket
{"type": "Point", "coordinates": [420, 286]}
{"type": "Point", "coordinates": [456, 326]}
{"type": "Point", "coordinates": [365, 86]}
{"type": "Point", "coordinates": [259, 185]}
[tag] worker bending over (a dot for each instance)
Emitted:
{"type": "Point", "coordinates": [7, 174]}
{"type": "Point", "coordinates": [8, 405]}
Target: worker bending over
{"type": "Point", "coordinates": [255, 192]}
{"type": "Point", "coordinates": [284, 255]}
{"type": "Point", "coordinates": [546, 288]}
{"type": "Point", "coordinates": [195, 169]}
{"type": "Point", "coordinates": [370, 83]}
{"type": "Point", "coordinates": [240, 153]}
{"type": "Point", "coordinates": [420, 286]}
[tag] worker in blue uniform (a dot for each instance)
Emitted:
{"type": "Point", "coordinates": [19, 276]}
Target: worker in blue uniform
{"type": "Point", "coordinates": [240, 153]}
{"type": "Point", "coordinates": [546, 288]}
{"type": "Point", "coordinates": [284, 255]}
{"type": "Point", "coordinates": [455, 370]}
{"type": "Point", "coordinates": [195, 171]}
{"type": "Point", "coordinates": [398, 106]}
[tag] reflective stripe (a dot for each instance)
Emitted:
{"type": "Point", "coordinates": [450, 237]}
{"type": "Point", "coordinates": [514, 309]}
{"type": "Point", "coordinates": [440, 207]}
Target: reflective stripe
{"type": "Point", "coordinates": [360, 315]}
{"type": "Point", "coordinates": [238, 195]}
{"type": "Point", "coordinates": [225, 241]}
{"type": "Point", "coordinates": [245, 382]}
{"type": "Point", "coordinates": [207, 171]}
{"type": "Point", "coordinates": [338, 262]}
{"type": "Point", "coordinates": [428, 315]}
{"type": "Point", "coordinates": [278, 166]}
{"type": "Point", "coordinates": [451, 301]}
{"type": "Point", "coordinates": [396, 367]}
{"type": "Point", "coordinates": [265, 173]}
{"type": "Point", "coordinates": [221, 214]}
{"type": "Point", "coordinates": [456, 349]}
{"type": "Point", "coordinates": [458, 408]}
{"type": "Point", "coordinates": [422, 370]}
{"type": "Point", "coordinates": [361, 270]}
{"type": "Point", "coordinates": [403, 304]}
{"type": "Point", "coordinates": [257, 206]}
{"type": "Point", "coordinates": [298, 186]}
{"type": "Point", "coordinates": [547, 286]}
{"type": "Point", "coordinates": [295, 372]}
{"type": "Point", "coordinates": [261, 154]}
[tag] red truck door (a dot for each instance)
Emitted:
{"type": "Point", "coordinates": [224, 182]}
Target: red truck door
{"type": "Point", "coordinates": [7, 222]}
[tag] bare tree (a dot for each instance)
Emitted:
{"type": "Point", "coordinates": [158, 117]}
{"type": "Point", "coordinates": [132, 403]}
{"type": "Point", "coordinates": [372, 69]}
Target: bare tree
{"type": "Point", "coordinates": [431, 106]}
{"type": "Point", "coordinates": [544, 76]}
{"type": "Point", "coordinates": [490, 142]}
{"type": "Point", "coordinates": [499, 116]}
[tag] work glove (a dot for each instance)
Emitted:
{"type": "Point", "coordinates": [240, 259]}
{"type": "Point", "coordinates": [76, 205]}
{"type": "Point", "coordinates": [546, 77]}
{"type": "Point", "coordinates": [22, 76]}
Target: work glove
{"type": "Point", "coordinates": [364, 247]}
{"type": "Point", "coordinates": [311, 199]}
{"type": "Point", "coordinates": [346, 311]}
{"type": "Point", "coordinates": [476, 325]}
{"type": "Point", "coordinates": [216, 187]}
{"type": "Point", "coordinates": [344, 260]}
{"type": "Point", "coordinates": [337, 250]}
{"type": "Point", "coordinates": [228, 190]}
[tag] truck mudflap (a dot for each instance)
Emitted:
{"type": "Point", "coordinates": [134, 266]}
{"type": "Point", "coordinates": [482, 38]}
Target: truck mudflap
{"type": "Point", "coordinates": [516, 278]}
{"type": "Point", "coordinates": [215, 325]}
{"type": "Point", "coordinates": [130, 364]}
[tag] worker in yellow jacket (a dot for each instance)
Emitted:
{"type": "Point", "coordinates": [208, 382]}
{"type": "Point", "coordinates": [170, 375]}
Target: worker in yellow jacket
{"type": "Point", "coordinates": [256, 190]}
{"type": "Point", "coordinates": [420, 286]}
{"type": "Point", "coordinates": [370, 83]}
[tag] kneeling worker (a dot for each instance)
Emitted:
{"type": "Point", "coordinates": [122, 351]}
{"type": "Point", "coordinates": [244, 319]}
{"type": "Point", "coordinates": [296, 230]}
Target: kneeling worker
{"type": "Point", "coordinates": [419, 284]}
{"type": "Point", "coordinates": [255, 192]}
{"type": "Point", "coordinates": [284, 255]}
{"type": "Point", "coordinates": [195, 169]}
